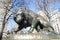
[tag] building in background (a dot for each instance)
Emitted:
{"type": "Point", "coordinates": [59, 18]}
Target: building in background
{"type": "Point", "coordinates": [55, 20]}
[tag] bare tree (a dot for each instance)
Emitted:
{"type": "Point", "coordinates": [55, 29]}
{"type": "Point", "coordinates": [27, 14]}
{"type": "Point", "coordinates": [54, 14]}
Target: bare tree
{"type": "Point", "coordinates": [7, 7]}
{"type": "Point", "coordinates": [43, 5]}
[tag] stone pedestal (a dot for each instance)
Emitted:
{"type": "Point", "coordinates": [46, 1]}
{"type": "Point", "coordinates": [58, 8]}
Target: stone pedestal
{"type": "Point", "coordinates": [34, 36]}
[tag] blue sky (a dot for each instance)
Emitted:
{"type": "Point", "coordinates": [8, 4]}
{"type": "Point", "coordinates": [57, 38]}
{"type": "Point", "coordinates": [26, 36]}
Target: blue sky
{"type": "Point", "coordinates": [33, 8]}
{"type": "Point", "coordinates": [54, 7]}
